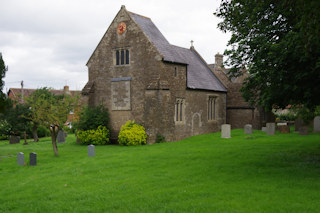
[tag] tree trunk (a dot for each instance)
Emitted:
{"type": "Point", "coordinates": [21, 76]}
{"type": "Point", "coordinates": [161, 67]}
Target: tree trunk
{"type": "Point", "coordinates": [34, 133]}
{"type": "Point", "coordinates": [54, 142]}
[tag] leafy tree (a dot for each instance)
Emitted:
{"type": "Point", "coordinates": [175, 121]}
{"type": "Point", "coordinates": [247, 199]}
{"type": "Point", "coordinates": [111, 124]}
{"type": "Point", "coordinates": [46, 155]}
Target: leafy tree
{"type": "Point", "coordinates": [15, 119]}
{"type": "Point", "coordinates": [51, 111]}
{"type": "Point", "coordinates": [92, 117]}
{"type": "Point", "coordinates": [3, 69]}
{"type": "Point", "coordinates": [279, 43]}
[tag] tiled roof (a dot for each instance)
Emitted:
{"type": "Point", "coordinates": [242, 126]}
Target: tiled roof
{"type": "Point", "coordinates": [16, 92]}
{"type": "Point", "coordinates": [199, 75]}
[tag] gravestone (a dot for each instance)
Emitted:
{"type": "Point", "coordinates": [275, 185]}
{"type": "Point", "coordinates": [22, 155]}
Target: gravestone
{"type": "Point", "coordinates": [14, 139]}
{"type": "Point", "coordinates": [303, 130]}
{"type": "Point", "coordinates": [20, 158]}
{"type": "Point", "coordinates": [225, 131]}
{"type": "Point", "coordinates": [264, 129]}
{"type": "Point", "coordinates": [284, 129]}
{"type": "Point", "coordinates": [248, 129]}
{"type": "Point", "coordinates": [316, 124]}
{"type": "Point", "coordinates": [271, 128]}
{"type": "Point", "coordinates": [297, 124]}
{"type": "Point", "coordinates": [91, 151]}
{"type": "Point", "coordinates": [33, 159]}
{"type": "Point", "coordinates": [61, 137]}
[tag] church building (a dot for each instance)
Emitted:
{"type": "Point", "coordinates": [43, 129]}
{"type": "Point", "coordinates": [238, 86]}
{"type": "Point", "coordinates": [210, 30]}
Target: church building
{"type": "Point", "coordinates": [138, 75]}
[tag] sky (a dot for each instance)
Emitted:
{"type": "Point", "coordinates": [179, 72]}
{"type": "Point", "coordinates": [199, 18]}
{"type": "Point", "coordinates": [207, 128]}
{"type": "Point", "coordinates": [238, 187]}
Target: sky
{"type": "Point", "coordinates": [47, 43]}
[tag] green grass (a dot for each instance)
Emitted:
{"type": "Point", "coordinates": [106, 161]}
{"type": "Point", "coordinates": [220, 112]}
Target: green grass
{"type": "Point", "coordinates": [256, 173]}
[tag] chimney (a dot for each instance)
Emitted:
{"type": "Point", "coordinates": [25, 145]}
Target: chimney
{"type": "Point", "coordinates": [218, 60]}
{"type": "Point", "coordinates": [66, 90]}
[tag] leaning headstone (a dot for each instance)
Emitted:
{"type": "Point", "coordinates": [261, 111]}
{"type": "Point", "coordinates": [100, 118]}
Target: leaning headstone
{"type": "Point", "coordinates": [33, 159]}
{"type": "Point", "coordinates": [271, 128]}
{"type": "Point", "coordinates": [225, 131]}
{"type": "Point", "coordinates": [303, 130]}
{"type": "Point", "coordinates": [14, 139]}
{"type": "Point", "coordinates": [248, 129]}
{"type": "Point", "coordinates": [91, 151]}
{"type": "Point", "coordinates": [61, 137]}
{"type": "Point", "coordinates": [284, 129]}
{"type": "Point", "coordinates": [20, 158]}
{"type": "Point", "coordinates": [297, 124]}
{"type": "Point", "coordinates": [316, 124]}
{"type": "Point", "coordinates": [264, 129]}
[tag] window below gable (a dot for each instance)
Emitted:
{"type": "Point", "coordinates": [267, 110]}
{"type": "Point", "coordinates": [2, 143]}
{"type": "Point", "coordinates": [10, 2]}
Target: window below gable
{"type": "Point", "coordinates": [122, 57]}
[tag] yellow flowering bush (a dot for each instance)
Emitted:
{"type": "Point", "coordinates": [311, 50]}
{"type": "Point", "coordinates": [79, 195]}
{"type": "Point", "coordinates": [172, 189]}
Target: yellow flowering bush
{"type": "Point", "coordinates": [132, 134]}
{"type": "Point", "coordinates": [100, 136]}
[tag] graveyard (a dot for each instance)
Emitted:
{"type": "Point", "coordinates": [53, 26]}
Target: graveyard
{"type": "Point", "coordinates": [241, 173]}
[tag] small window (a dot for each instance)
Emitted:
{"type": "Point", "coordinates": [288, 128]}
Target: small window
{"type": "Point", "coordinates": [175, 72]}
{"type": "Point", "coordinates": [117, 57]}
{"type": "Point", "coordinates": [179, 110]}
{"type": "Point", "coordinates": [122, 57]}
{"type": "Point", "coordinates": [127, 56]}
{"type": "Point", "coordinates": [212, 108]}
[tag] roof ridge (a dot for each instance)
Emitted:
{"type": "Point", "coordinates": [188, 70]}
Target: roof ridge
{"type": "Point", "coordinates": [138, 15]}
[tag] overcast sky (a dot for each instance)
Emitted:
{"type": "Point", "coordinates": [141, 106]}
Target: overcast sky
{"type": "Point", "coordinates": [48, 42]}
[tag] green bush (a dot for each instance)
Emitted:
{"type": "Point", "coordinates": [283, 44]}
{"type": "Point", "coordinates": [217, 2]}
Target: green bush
{"type": "Point", "coordinates": [100, 136]}
{"type": "Point", "coordinates": [160, 138]}
{"type": "Point", "coordinates": [287, 117]}
{"type": "Point", "coordinates": [42, 131]}
{"type": "Point", "coordinates": [92, 117]}
{"type": "Point", "coordinates": [132, 134]}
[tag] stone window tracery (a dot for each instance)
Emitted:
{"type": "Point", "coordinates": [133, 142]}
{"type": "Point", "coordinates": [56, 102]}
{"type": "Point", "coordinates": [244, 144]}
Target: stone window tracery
{"type": "Point", "coordinates": [179, 110]}
{"type": "Point", "coordinates": [212, 108]}
{"type": "Point", "coordinates": [122, 57]}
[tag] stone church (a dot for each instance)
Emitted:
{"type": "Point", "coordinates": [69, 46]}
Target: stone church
{"type": "Point", "coordinates": [138, 75]}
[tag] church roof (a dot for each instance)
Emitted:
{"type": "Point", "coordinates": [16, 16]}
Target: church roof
{"type": "Point", "coordinates": [199, 75]}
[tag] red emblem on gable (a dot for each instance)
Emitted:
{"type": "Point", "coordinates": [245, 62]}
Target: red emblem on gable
{"type": "Point", "coordinates": [122, 28]}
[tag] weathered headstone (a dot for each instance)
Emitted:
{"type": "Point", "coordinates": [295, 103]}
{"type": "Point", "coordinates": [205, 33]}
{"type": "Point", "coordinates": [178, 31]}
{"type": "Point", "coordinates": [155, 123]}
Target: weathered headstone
{"type": "Point", "coordinates": [264, 129]}
{"type": "Point", "coordinates": [248, 129]}
{"type": "Point", "coordinates": [225, 131]}
{"type": "Point", "coordinates": [284, 129]}
{"type": "Point", "coordinates": [61, 137]}
{"type": "Point", "coordinates": [271, 128]}
{"type": "Point", "coordinates": [20, 158]}
{"type": "Point", "coordinates": [14, 139]}
{"type": "Point", "coordinates": [303, 130]}
{"type": "Point", "coordinates": [91, 151]}
{"type": "Point", "coordinates": [316, 124]}
{"type": "Point", "coordinates": [33, 159]}
{"type": "Point", "coordinates": [297, 124]}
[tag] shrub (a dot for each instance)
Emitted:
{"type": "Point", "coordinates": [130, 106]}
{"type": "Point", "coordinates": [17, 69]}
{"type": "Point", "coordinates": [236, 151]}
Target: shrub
{"type": "Point", "coordinates": [160, 138]}
{"type": "Point", "coordinates": [287, 117]}
{"type": "Point", "coordinates": [92, 117]}
{"type": "Point", "coordinates": [100, 136]}
{"type": "Point", "coordinates": [42, 131]}
{"type": "Point", "coordinates": [132, 134]}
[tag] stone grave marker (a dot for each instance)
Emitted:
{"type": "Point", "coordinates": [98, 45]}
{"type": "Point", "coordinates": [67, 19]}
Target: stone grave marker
{"type": "Point", "coordinates": [316, 124]}
{"type": "Point", "coordinates": [91, 151]}
{"type": "Point", "coordinates": [303, 130]}
{"type": "Point", "coordinates": [33, 159]}
{"type": "Point", "coordinates": [61, 137]}
{"type": "Point", "coordinates": [264, 129]}
{"type": "Point", "coordinates": [225, 131]}
{"type": "Point", "coordinates": [248, 129]}
{"type": "Point", "coordinates": [297, 124]}
{"type": "Point", "coordinates": [14, 139]}
{"type": "Point", "coordinates": [20, 158]}
{"type": "Point", "coordinates": [271, 128]}
{"type": "Point", "coordinates": [284, 129]}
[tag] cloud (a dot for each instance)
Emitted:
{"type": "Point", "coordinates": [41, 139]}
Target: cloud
{"type": "Point", "coordinates": [48, 42]}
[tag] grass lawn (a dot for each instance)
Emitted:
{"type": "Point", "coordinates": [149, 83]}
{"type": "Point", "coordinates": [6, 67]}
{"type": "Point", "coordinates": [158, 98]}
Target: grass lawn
{"type": "Point", "coordinates": [256, 173]}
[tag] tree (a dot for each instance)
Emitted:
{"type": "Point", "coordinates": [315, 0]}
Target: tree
{"type": "Point", "coordinates": [50, 111]}
{"type": "Point", "coordinates": [3, 69]}
{"type": "Point", "coordinates": [279, 43]}
{"type": "Point", "coordinates": [15, 119]}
